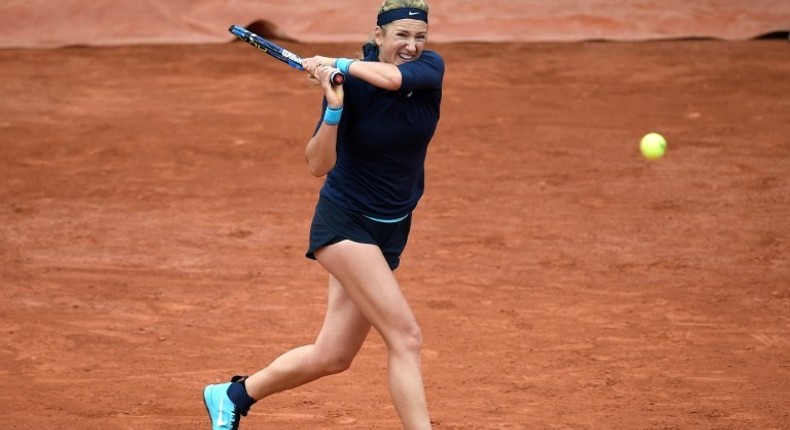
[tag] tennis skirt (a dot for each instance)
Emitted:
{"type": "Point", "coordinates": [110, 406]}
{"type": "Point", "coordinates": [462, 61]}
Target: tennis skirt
{"type": "Point", "coordinates": [332, 224]}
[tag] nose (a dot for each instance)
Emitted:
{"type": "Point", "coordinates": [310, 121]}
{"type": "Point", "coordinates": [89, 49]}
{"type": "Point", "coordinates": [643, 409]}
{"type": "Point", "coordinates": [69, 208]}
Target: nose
{"type": "Point", "coordinates": [411, 46]}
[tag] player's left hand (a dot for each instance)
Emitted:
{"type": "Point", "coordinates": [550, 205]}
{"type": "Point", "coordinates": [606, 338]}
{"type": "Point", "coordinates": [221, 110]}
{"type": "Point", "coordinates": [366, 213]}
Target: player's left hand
{"type": "Point", "coordinates": [313, 62]}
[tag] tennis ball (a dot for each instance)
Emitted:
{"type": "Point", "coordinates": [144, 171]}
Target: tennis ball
{"type": "Point", "coordinates": [653, 146]}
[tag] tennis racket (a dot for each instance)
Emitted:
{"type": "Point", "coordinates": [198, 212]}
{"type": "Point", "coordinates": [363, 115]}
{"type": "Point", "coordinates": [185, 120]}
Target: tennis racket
{"type": "Point", "coordinates": [278, 52]}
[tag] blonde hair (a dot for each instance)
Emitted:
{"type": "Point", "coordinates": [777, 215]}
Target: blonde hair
{"type": "Point", "coordinates": [388, 5]}
{"type": "Point", "coordinates": [397, 4]}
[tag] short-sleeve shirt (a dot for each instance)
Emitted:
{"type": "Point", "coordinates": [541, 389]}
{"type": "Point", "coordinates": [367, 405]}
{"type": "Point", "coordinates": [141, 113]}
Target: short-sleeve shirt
{"type": "Point", "coordinates": [383, 139]}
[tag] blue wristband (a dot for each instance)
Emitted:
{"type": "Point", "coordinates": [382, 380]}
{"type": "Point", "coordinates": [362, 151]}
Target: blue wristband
{"type": "Point", "coordinates": [342, 64]}
{"type": "Point", "coordinates": [332, 115]}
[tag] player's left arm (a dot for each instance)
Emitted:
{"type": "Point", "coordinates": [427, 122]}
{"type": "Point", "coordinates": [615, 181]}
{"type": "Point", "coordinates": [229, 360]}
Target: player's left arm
{"type": "Point", "coordinates": [381, 75]}
{"type": "Point", "coordinates": [425, 72]}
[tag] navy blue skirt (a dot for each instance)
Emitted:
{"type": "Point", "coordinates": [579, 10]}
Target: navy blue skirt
{"type": "Point", "coordinates": [332, 224]}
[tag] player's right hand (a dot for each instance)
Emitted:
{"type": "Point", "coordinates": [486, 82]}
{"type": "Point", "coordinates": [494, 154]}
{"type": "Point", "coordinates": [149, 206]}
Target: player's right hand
{"type": "Point", "coordinates": [334, 93]}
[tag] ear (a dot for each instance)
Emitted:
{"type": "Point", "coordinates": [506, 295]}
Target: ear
{"type": "Point", "coordinates": [378, 36]}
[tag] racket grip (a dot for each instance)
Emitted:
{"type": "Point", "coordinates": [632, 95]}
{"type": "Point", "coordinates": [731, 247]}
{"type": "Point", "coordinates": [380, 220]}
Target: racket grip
{"type": "Point", "coordinates": [337, 78]}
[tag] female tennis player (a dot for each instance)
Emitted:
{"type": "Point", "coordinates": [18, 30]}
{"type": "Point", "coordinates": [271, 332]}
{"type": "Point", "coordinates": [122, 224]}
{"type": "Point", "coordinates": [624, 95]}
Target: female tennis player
{"type": "Point", "coordinates": [371, 145]}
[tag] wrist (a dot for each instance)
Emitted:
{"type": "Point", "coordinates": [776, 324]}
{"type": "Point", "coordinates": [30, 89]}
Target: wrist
{"type": "Point", "coordinates": [342, 64]}
{"type": "Point", "coordinates": [332, 115]}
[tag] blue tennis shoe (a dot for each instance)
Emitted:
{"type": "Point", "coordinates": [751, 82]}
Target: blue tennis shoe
{"type": "Point", "coordinates": [223, 412]}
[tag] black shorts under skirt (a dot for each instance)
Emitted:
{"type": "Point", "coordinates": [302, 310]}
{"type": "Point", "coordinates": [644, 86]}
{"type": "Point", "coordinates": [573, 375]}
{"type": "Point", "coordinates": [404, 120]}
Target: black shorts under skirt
{"type": "Point", "coordinates": [333, 224]}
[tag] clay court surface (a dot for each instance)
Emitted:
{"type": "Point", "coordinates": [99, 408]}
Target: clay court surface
{"type": "Point", "coordinates": [155, 205]}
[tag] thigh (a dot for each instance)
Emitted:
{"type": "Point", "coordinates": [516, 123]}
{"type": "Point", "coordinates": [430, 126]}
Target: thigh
{"type": "Point", "coordinates": [370, 284]}
{"type": "Point", "coordinates": [345, 328]}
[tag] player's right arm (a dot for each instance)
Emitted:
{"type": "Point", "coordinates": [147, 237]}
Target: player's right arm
{"type": "Point", "coordinates": [321, 150]}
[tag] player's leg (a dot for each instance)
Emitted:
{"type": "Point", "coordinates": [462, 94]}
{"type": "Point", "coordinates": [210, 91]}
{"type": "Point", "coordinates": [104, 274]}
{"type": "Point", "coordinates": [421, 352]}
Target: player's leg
{"type": "Point", "coordinates": [369, 282]}
{"type": "Point", "coordinates": [341, 336]}
{"type": "Point", "coordinates": [343, 332]}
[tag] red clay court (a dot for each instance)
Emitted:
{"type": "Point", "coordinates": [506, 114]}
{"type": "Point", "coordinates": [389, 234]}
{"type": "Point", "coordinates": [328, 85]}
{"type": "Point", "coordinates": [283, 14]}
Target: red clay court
{"type": "Point", "coordinates": [155, 205]}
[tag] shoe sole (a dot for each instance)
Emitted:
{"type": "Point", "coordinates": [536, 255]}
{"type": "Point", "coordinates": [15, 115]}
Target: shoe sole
{"type": "Point", "coordinates": [208, 411]}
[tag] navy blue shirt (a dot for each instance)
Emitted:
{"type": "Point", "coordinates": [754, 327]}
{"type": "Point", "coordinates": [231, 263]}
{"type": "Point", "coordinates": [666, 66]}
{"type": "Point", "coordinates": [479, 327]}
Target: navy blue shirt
{"type": "Point", "coordinates": [382, 141]}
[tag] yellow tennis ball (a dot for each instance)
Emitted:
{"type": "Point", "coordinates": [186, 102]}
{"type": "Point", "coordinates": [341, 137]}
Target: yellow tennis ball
{"type": "Point", "coordinates": [653, 146]}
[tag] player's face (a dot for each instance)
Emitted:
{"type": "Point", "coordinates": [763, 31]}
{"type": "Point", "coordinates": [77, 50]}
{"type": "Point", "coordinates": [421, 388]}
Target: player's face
{"type": "Point", "coordinates": [402, 41]}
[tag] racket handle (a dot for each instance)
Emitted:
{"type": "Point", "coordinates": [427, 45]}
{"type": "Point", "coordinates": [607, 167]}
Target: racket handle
{"type": "Point", "coordinates": [337, 78]}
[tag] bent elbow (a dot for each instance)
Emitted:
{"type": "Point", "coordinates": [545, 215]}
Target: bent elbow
{"type": "Point", "coordinates": [316, 169]}
{"type": "Point", "coordinates": [317, 172]}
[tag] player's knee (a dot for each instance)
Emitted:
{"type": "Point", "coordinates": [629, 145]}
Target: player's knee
{"type": "Point", "coordinates": [331, 364]}
{"type": "Point", "coordinates": [414, 340]}
{"type": "Point", "coordinates": [407, 340]}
